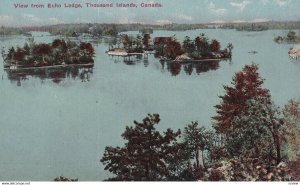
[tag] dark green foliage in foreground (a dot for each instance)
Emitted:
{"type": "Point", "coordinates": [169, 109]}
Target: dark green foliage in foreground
{"type": "Point", "coordinates": [260, 131]}
{"type": "Point", "coordinates": [147, 154]}
{"type": "Point", "coordinates": [246, 115]}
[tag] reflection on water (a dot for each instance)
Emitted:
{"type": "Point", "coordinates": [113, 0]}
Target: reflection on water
{"type": "Point", "coordinates": [174, 68]}
{"type": "Point", "coordinates": [56, 74]}
{"type": "Point", "coordinates": [199, 67]}
{"type": "Point", "coordinates": [132, 60]}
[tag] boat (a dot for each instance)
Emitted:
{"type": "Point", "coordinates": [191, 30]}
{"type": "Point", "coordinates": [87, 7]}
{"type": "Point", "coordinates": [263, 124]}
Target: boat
{"type": "Point", "coordinates": [252, 52]}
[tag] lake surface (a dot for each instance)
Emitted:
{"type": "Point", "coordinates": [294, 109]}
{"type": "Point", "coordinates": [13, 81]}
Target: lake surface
{"type": "Point", "coordinates": [59, 124]}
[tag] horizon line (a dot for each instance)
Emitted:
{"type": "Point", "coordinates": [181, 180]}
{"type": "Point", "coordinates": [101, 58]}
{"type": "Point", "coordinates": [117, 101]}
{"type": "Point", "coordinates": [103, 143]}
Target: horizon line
{"type": "Point", "coordinates": [217, 22]}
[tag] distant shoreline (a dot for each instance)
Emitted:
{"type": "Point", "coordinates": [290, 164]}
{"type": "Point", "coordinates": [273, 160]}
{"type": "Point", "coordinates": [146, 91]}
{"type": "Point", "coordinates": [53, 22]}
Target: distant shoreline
{"type": "Point", "coordinates": [54, 66]}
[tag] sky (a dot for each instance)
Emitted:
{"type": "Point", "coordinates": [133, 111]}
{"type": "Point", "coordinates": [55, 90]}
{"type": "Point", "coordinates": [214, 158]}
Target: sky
{"type": "Point", "coordinates": [172, 11]}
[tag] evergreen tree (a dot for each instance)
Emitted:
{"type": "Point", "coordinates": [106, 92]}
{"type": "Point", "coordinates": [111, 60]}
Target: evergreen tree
{"type": "Point", "coordinates": [291, 113]}
{"type": "Point", "coordinates": [215, 46]}
{"type": "Point", "coordinates": [146, 40]}
{"type": "Point", "coordinates": [195, 141]}
{"type": "Point", "coordinates": [147, 154]}
{"type": "Point", "coordinates": [246, 85]}
{"type": "Point", "coordinates": [256, 133]}
{"type": "Point", "coordinates": [188, 45]}
{"type": "Point", "coordinates": [10, 54]}
{"type": "Point", "coordinates": [248, 120]}
{"type": "Point", "coordinates": [201, 44]}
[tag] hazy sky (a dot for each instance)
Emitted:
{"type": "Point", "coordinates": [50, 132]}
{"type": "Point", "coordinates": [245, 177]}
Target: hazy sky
{"type": "Point", "coordinates": [177, 11]}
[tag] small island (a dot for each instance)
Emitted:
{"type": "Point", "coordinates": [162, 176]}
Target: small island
{"type": "Point", "coordinates": [291, 37]}
{"type": "Point", "coordinates": [294, 52]}
{"type": "Point", "coordinates": [170, 50]}
{"type": "Point", "coordinates": [127, 46]}
{"type": "Point", "coordinates": [252, 27]}
{"type": "Point", "coordinates": [57, 53]}
{"type": "Point", "coordinates": [191, 50]}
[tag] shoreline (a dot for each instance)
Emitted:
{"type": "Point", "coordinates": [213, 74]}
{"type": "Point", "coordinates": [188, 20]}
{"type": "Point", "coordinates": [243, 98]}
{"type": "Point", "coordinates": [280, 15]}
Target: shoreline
{"type": "Point", "coordinates": [54, 66]}
{"type": "Point", "coordinates": [192, 60]}
{"type": "Point", "coordinates": [125, 54]}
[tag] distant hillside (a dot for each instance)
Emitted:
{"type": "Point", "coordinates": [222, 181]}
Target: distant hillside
{"type": "Point", "coordinates": [108, 29]}
{"type": "Point", "coordinates": [264, 25]}
{"type": "Point", "coordinates": [12, 31]}
{"type": "Point", "coordinates": [113, 29]}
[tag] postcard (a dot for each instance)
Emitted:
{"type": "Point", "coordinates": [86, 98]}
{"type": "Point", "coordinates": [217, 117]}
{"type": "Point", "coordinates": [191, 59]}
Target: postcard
{"type": "Point", "coordinates": [140, 90]}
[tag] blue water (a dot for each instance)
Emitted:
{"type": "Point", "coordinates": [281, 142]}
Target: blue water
{"type": "Point", "coordinates": [51, 128]}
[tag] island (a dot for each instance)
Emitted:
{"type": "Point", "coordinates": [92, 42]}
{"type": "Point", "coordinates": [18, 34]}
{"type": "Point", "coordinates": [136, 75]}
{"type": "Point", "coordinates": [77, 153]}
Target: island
{"type": "Point", "coordinates": [294, 52]}
{"type": "Point", "coordinates": [290, 37]}
{"type": "Point", "coordinates": [127, 46]}
{"type": "Point", "coordinates": [252, 27]}
{"type": "Point", "coordinates": [57, 53]}
{"type": "Point", "coordinates": [198, 49]}
{"type": "Point", "coordinates": [169, 49]}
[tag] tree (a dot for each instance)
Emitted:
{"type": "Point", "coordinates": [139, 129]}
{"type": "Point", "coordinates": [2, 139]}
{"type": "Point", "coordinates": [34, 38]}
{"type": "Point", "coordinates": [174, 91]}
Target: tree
{"type": "Point", "coordinates": [10, 54]}
{"type": "Point", "coordinates": [139, 43]}
{"type": "Point", "coordinates": [87, 49]}
{"type": "Point", "coordinates": [147, 154]}
{"type": "Point", "coordinates": [230, 47]}
{"type": "Point", "coordinates": [188, 45]}
{"type": "Point", "coordinates": [195, 141]}
{"type": "Point", "coordinates": [201, 44]}
{"type": "Point", "coordinates": [248, 119]}
{"type": "Point", "coordinates": [130, 42]}
{"type": "Point", "coordinates": [3, 53]}
{"type": "Point", "coordinates": [42, 50]}
{"type": "Point", "coordinates": [291, 113]}
{"type": "Point", "coordinates": [173, 49]}
{"type": "Point", "coordinates": [247, 85]}
{"type": "Point", "coordinates": [26, 49]}
{"type": "Point", "coordinates": [60, 51]}
{"type": "Point", "coordinates": [291, 36]}
{"type": "Point", "coordinates": [146, 40]}
{"type": "Point", "coordinates": [215, 46]}
{"type": "Point", "coordinates": [19, 54]}
{"type": "Point", "coordinates": [87, 52]}
{"type": "Point", "coordinates": [60, 44]}
{"type": "Point", "coordinates": [200, 143]}
{"type": "Point", "coordinates": [125, 40]}
{"type": "Point", "coordinates": [257, 133]}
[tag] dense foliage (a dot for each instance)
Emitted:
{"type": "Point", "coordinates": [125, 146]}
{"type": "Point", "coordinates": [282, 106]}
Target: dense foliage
{"type": "Point", "coordinates": [131, 44]}
{"type": "Point", "coordinates": [56, 53]}
{"type": "Point", "coordinates": [147, 154]}
{"type": "Point", "coordinates": [291, 114]}
{"type": "Point", "coordinates": [246, 115]}
{"type": "Point", "coordinates": [191, 49]}
{"type": "Point", "coordinates": [246, 86]}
